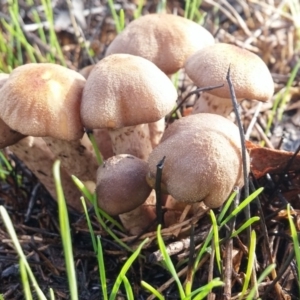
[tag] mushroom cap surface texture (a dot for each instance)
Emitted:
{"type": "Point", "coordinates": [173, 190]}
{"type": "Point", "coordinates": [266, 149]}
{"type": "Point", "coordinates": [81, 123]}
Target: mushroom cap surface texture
{"type": "Point", "coordinates": [126, 90]}
{"type": "Point", "coordinates": [203, 159]}
{"type": "Point", "coordinates": [121, 184]}
{"type": "Point", "coordinates": [166, 40]}
{"type": "Point", "coordinates": [249, 74]}
{"type": "Point", "coordinates": [43, 100]}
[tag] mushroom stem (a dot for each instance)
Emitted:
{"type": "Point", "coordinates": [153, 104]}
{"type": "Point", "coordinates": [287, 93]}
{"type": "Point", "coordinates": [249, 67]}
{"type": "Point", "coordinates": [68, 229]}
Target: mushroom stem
{"type": "Point", "coordinates": [35, 154]}
{"type": "Point", "coordinates": [143, 216]}
{"type": "Point", "coordinates": [134, 140]}
{"type": "Point", "coordinates": [77, 157]}
{"type": "Point", "coordinates": [208, 103]}
{"type": "Point", "coordinates": [156, 130]}
{"type": "Point", "coordinates": [103, 142]}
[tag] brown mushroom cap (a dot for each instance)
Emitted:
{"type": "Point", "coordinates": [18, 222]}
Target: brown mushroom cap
{"type": "Point", "coordinates": [7, 135]}
{"type": "Point", "coordinates": [43, 100]}
{"type": "Point", "coordinates": [166, 40]}
{"type": "Point", "coordinates": [203, 159]}
{"type": "Point", "coordinates": [121, 184]}
{"type": "Point", "coordinates": [125, 90]}
{"type": "Point", "coordinates": [250, 76]}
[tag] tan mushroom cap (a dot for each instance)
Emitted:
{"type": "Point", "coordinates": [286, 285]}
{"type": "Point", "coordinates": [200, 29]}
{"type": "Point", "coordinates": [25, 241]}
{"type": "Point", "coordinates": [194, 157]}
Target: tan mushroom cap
{"type": "Point", "coordinates": [250, 76]}
{"type": "Point", "coordinates": [3, 78]}
{"type": "Point", "coordinates": [125, 90]}
{"type": "Point", "coordinates": [203, 159]}
{"type": "Point", "coordinates": [43, 100]}
{"type": "Point", "coordinates": [166, 40]}
{"type": "Point", "coordinates": [7, 135]}
{"type": "Point", "coordinates": [121, 184]}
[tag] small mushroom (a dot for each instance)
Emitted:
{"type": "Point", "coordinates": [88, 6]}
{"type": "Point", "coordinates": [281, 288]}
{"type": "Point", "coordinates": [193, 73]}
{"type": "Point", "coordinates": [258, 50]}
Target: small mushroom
{"type": "Point", "coordinates": [250, 77]}
{"type": "Point", "coordinates": [122, 189]}
{"type": "Point", "coordinates": [203, 159]}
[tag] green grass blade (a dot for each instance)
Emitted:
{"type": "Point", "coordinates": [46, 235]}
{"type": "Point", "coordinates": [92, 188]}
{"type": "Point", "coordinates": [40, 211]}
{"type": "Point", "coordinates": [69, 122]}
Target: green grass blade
{"type": "Point", "coordinates": [96, 149]}
{"type": "Point", "coordinates": [295, 242]}
{"type": "Point", "coordinates": [65, 233]}
{"type": "Point", "coordinates": [124, 270]}
{"type": "Point", "coordinates": [25, 281]}
{"type": "Point", "coordinates": [115, 16]}
{"type": "Point", "coordinates": [138, 12]}
{"type": "Point", "coordinates": [91, 230]}
{"type": "Point", "coordinates": [152, 290]}
{"type": "Point", "coordinates": [250, 265]}
{"type": "Point", "coordinates": [244, 226]}
{"type": "Point", "coordinates": [10, 229]}
{"type": "Point", "coordinates": [203, 291]}
{"type": "Point", "coordinates": [168, 262]}
{"type": "Point", "coordinates": [242, 205]}
{"type": "Point", "coordinates": [226, 206]}
{"type": "Point", "coordinates": [216, 238]}
{"type": "Point", "coordinates": [128, 288]}
{"type": "Point", "coordinates": [51, 293]}
{"type": "Point", "coordinates": [261, 278]}
{"type": "Point", "coordinates": [101, 265]}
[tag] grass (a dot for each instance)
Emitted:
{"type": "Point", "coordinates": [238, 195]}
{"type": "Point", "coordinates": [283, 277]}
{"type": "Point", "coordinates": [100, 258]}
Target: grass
{"type": "Point", "coordinates": [16, 48]}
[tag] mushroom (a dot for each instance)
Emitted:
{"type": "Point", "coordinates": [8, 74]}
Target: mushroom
{"type": "Point", "coordinates": [122, 189]}
{"type": "Point", "coordinates": [123, 93]}
{"type": "Point", "coordinates": [250, 77]}
{"type": "Point", "coordinates": [43, 100]}
{"type": "Point", "coordinates": [164, 39]}
{"type": "Point", "coordinates": [203, 159]}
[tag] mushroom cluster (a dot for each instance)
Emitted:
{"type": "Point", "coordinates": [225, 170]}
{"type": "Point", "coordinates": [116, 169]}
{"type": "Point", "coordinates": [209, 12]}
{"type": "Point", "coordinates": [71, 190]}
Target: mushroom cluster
{"type": "Point", "coordinates": [45, 110]}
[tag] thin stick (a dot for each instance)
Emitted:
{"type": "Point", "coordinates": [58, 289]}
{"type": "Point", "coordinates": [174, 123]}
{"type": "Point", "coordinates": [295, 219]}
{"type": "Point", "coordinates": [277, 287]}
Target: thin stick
{"type": "Point", "coordinates": [198, 90]}
{"type": "Point", "coordinates": [243, 146]}
{"type": "Point", "coordinates": [159, 169]}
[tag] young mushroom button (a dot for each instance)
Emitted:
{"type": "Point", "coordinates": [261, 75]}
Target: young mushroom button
{"type": "Point", "coordinates": [122, 189]}
{"type": "Point", "coordinates": [123, 93]}
{"type": "Point", "coordinates": [203, 159]}
{"type": "Point", "coordinates": [250, 77]}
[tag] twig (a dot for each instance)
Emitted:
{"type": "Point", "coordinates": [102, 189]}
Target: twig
{"type": "Point", "coordinates": [159, 169]}
{"type": "Point", "coordinates": [198, 90]}
{"type": "Point", "coordinates": [243, 146]}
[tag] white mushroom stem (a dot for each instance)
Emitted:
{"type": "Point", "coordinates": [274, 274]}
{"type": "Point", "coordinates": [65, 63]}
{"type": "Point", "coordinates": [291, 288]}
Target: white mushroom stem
{"type": "Point", "coordinates": [156, 130]}
{"type": "Point", "coordinates": [77, 157]}
{"type": "Point", "coordinates": [103, 142]}
{"type": "Point", "coordinates": [208, 103]}
{"type": "Point", "coordinates": [137, 220]}
{"type": "Point", "coordinates": [35, 154]}
{"type": "Point", "coordinates": [134, 140]}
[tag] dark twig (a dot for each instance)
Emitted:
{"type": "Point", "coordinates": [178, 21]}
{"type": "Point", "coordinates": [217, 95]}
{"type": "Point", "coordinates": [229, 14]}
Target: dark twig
{"type": "Point", "coordinates": [32, 201]}
{"type": "Point", "coordinates": [159, 169]}
{"type": "Point", "coordinates": [243, 146]}
{"type": "Point", "coordinates": [198, 90]}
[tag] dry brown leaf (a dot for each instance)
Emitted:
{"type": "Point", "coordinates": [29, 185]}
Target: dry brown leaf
{"type": "Point", "coordinates": [265, 160]}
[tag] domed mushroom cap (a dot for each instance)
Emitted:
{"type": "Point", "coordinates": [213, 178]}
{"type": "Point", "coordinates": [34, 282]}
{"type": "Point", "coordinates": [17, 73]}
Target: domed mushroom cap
{"type": "Point", "coordinates": [125, 90]}
{"type": "Point", "coordinates": [7, 135]}
{"type": "Point", "coordinates": [3, 78]}
{"type": "Point", "coordinates": [203, 159]}
{"type": "Point", "coordinates": [166, 40]}
{"type": "Point", "coordinates": [43, 100]}
{"type": "Point", "coordinates": [121, 184]}
{"type": "Point", "coordinates": [249, 74]}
